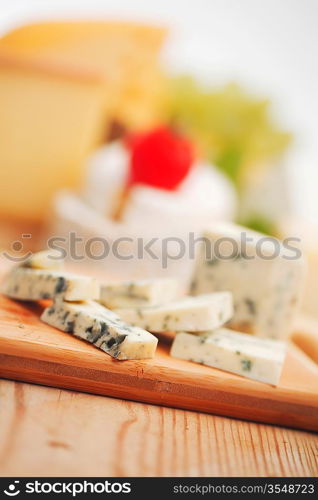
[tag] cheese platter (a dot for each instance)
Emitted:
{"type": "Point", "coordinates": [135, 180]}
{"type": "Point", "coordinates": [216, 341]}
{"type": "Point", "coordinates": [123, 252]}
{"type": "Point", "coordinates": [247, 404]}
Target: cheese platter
{"type": "Point", "coordinates": [34, 352]}
{"type": "Point", "coordinates": [154, 344]}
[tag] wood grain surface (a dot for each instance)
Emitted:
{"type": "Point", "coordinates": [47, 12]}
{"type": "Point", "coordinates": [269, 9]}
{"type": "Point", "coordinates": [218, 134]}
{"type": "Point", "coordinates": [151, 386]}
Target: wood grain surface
{"type": "Point", "coordinates": [46, 431]}
{"type": "Point", "coordinates": [32, 351]}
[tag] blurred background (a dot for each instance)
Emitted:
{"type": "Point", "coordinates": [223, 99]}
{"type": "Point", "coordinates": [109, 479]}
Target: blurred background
{"type": "Point", "coordinates": [142, 119]}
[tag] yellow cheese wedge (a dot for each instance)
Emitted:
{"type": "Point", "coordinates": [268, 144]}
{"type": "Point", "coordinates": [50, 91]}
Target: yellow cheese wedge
{"type": "Point", "coordinates": [124, 54]}
{"type": "Point", "coordinates": [51, 117]}
{"type": "Point", "coordinates": [60, 83]}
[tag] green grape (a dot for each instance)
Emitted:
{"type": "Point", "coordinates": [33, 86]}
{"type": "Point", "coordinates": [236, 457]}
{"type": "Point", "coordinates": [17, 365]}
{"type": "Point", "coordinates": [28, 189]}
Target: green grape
{"type": "Point", "coordinates": [233, 129]}
{"type": "Point", "coordinates": [259, 223]}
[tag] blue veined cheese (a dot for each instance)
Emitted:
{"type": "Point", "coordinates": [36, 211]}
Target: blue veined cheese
{"type": "Point", "coordinates": [264, 276]}
{"type": "Point", "coordinates": [94, 323]}
{"type": "Point", "coordinates": [46, 259]}
{"type": "Point", "coordinates": [138, 293]}
{"type": "Point", "coordinates": [37, 284]}
{"type": "Point", "coordinates": [240, 353]}
{"type": "Point", "coordinates": [190, 313]}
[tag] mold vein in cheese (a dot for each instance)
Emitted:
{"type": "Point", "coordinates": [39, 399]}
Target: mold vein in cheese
{"type": "Point", "coordinates": [38, 284]}
{"type": "Point", "coordinates": [103, 328]}
{"type": "Point", "coordinates": [194, 314]}
{"type": "Point", "coordinates": [139, 293]}
{"type": "Point", "coordinates": [239, 353]}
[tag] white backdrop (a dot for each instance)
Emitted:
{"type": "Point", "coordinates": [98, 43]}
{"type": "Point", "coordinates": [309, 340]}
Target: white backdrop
{"type": "Point", "coordinates": [270, 46]}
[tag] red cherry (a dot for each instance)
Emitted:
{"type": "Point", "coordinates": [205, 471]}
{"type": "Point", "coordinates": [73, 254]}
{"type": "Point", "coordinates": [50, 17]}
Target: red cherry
{"type": "Point", "coordinates": [160, 158]}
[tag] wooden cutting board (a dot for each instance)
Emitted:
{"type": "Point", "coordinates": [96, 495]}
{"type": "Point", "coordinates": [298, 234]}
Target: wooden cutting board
{"type": "Point", "coordinates": [35, 352]}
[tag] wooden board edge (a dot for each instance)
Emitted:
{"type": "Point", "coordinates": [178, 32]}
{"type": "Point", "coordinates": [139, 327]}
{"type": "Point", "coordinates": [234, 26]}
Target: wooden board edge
{"type": "Point", "coordinates": [52, 374]}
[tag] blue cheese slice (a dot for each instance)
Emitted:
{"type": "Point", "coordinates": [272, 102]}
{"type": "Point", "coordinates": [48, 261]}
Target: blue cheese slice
{"type": "Point", "coordinates": [46, 259]}
{"type": "Point", "coordinates": [264, 276]}
{"type": "Point", "coordinates": [193, 314]}
{"type": "Point", "coordinates": [243, 354]}
{"type": "Point", "coordinates": [37, 284]}
{"type": "Point", "coordinates": [139, 293]}
{"type": "Point", "coordinates": [94, 323]}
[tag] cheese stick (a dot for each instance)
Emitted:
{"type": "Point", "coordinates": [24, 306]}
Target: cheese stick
{"type": "Point", "coordinates": [193, 314]}
{"type": "Point", "coordinates": [139, 293]}
{"type": "Point", "coordinates": [37, 284]}
{"type": "Point", "coordinates": [94, 323]}
{"type": "Point", "coordinates": [46, 259]}
{"type": "Point", "coordinates": [240, 353]}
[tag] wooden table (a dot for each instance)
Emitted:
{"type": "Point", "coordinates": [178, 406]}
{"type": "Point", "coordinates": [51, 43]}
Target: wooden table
{"type": "Point", "coordinates": [45, 431]}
